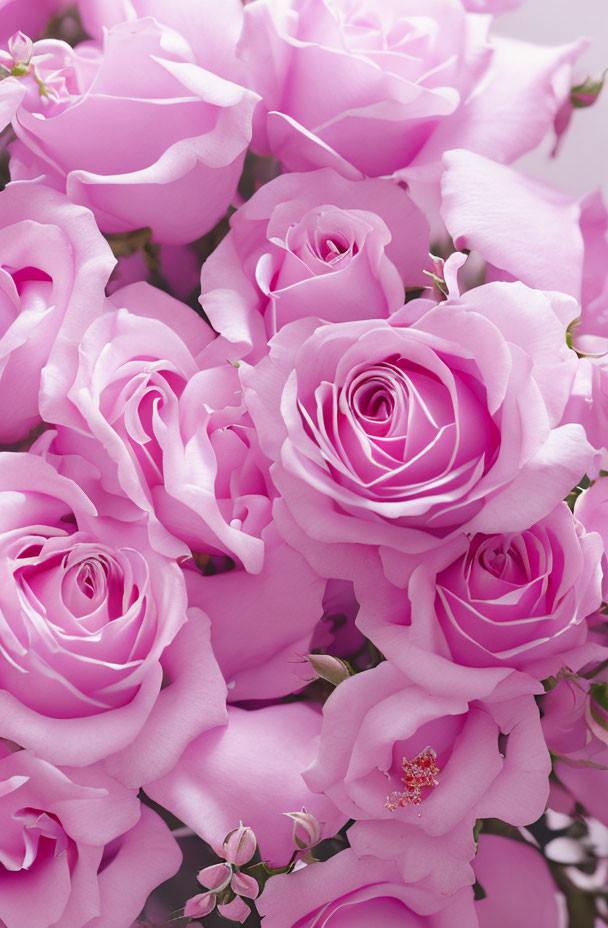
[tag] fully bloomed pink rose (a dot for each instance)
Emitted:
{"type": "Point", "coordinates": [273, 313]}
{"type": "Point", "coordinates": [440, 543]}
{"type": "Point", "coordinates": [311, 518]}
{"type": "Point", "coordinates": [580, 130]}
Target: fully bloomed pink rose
{"type": "Point", "coordinates": [54, 267]}
{"type": "Point", "coordinates": [138, 133]}
{"type": "Point", "coordinates": [518, 886]}
{"type": "Point", "coordinates": [402, 436]}
{"type": "Point", "coordinates": [347, 890]}
{"type": "Point", "coordinates": [407, 83]}
{"type": "Point", "coordinates": [313, 244]}
{"type": "Point", "coordinates": [515, 599]}
{"type": "Point", "coordinates": [211, 30]}
{"type": "Point", "coordinates": [250, 771]}
{"type": "Point", "coordinates": [76, 849]}
{"type": "Point", "coordinates": [381, 725]}
{"type": "Point", "coordinates": [97, 656]}
{"type": "Point", "coordinates": [154, 418]}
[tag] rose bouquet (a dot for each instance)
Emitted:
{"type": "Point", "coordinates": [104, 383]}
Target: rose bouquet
{"type": "Point", "coordinates": [303, 471]}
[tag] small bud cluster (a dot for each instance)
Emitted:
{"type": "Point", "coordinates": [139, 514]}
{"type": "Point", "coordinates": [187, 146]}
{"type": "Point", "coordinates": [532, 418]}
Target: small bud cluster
{"type": "Point", "coordinates": [225, 884]}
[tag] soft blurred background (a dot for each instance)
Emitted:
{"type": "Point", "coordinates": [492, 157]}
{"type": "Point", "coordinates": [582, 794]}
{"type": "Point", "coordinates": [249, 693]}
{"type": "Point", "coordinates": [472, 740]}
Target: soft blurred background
{"type": "Point", "coordinates": [582, 163]}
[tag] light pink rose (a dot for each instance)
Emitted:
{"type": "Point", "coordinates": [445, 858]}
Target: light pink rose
{"type": "Point", "coordinates": [157, 422]}
{"type": "Point", "coordinates": [96, 656]}
{"type": "Point", "coordinates": [381, 725]}
{"type": "Point", "coordinates": [211, 30]}
{"type": "Point", "coordinates": [250, 771]}
{"type": "Point", "coordinates": [515, 599]}
{"type": "Point", "coordinates": [345, 890]}
{"type": "Point", "coordinates": [406, 83]}
{"type": "Point", "coordinates": [262, 624]}
{"type": "Point", "coordinates": [76, 849]}
{"type": "Point", "coordinates": [55, 265]}
{"type": "Point", "coordinates": [313, 244]}
{"type": "Point", "coordinates": [398, 436]}
{"type": "Point", "coordinates": [518, 885]}
{"type": "Point", "coordinates": [138, 133]}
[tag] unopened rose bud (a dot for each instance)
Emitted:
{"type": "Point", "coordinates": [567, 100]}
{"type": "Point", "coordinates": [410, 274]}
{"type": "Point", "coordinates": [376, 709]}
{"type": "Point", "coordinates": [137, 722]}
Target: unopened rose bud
{"type": "Point", "coordinates": [21, 48]}
{"type": "Point", "coordinates": [244, 885]}
{"type": "Point", "coordinates": [239, 845]}
{"type": "Point", "coordinates": [216, 877]}
{"type": "Point", "coordinates": [199, 905]}
{"type": "Point", "coordinates": [329, 668]}
{"type": "Point", "coordinates": [586, 94]}
{"type": "Point", "coordinates": [236, 911]}
{"type": "Point", "coordinates": [306, 829]}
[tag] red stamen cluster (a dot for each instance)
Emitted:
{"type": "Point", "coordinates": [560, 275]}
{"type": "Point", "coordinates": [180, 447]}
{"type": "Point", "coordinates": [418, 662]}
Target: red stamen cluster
{"type": "Point", "coordinates": [417, 773]}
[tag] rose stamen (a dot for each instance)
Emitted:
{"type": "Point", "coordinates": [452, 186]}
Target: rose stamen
{"type": "Point", "coordinates": [418, 773]}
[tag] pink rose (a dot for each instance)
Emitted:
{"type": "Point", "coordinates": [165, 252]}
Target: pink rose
{"type": "Point", "coordinates": [402, 437]}
{"type": "Point", "coordinates": [345, 890]}
{"type": "Point", "coordinates": [416, 765]}
{"type": "Point", "coordinates": [76, 849]}
{"type": "Point", "coordinates": [313, 244]}
{"type": "Point", "coordinates": [155, 419]}
{"type": "Point", "coordinates": [515, 599]}
{"type": "Point", "coordinates": [250, 771]}
{"type": "Point", "coordinates": [518, 886]}
{"type": "Point", "coordinates": [55, 265]}
{"type": "Point", "coordinates": [212, 31]}
{"type": "Point", "coordinates": [187, 130]}
{"type": "Point", "coordinates": [96, 654]}
{"type": "Point", "coordinates": [422, 84]}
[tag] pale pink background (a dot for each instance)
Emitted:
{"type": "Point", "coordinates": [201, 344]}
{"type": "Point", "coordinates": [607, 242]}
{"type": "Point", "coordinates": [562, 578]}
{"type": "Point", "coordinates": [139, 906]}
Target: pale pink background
{"type": "Point", "coordinates": [582, 163]}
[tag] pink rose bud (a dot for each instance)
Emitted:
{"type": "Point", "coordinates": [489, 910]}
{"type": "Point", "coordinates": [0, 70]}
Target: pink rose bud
{"type": "Point", "coordinates": [306, 828]}
{"type": "Point", "coordinates": [329, 668]}
{"type": "Point", "coordinates": [239, 845]}
{"type": "Point", "coordinates": [236, 911]}
{"type": "Point", "coordinates": [244, 885]}
{"type": "Point", "coordinates": [199, 905]}
{"type": "Point", "coordinates": [216, 877]}
{"type": "Point", "coordinates": [21, 48]}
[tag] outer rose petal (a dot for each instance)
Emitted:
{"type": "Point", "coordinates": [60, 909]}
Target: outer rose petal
{"type": "Point", "coordinates": [483, 201]}
{"type": "Point", "coordinates": [55, 267]}
{"type": "Point", "coordinates": [518, 885]}
{"type": "Point", "coordinates": [249, 771]}
{"type": "Point", "coordinates": [362, 888]}
{"type": "Point", "coordinates": [211, 31]}
{"type": "Point", "coordinates": [147, 855]}
{"type": "Point", "coordinates": [262, 623]}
